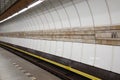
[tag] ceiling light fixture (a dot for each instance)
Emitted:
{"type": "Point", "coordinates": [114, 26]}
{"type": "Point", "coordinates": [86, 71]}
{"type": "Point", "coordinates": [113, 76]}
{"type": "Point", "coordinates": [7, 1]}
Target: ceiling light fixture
{"type": "Point", "coordinates": [23, 10]}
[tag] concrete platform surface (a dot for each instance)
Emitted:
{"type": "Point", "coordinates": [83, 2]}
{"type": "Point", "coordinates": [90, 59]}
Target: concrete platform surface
{"type": "Point", "coordinates": [13, 67]}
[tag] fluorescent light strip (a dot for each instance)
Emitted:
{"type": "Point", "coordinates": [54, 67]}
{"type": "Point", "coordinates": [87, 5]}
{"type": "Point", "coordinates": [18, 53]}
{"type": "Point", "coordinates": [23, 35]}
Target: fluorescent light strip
{"type": "Point", "coordinates": [23, 10]}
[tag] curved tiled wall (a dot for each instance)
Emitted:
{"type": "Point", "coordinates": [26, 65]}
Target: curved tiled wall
{"type": "Point", "coordinates": [60, 14]}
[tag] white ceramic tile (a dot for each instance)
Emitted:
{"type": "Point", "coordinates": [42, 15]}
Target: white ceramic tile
{"type": "Point", "coordinates": [63, 16]}
{"type": "Point", "coordinates": [44, 21]}
{"type": "Point", "coordinates": [35, 26]}
{"type": "Point", "coordinates": [76, 51]}
{"type": "Point", "coordinates": [35, 44]}
{"type": "Point", "coordinates": [88, 54]}
{"type": "Point", "coordinates": [116, 59]}
{"type": "Point", "coordinates": [114, 6]}
{"type": "Point", "coordinates": [56, 19]}
{"type": "Point", "coordinates": [48, 44]}
{"type": "Point", "coordinates": [84, 12]}
{"type": "Point", "coordinates": [100, 12]}
{"type": "Point", "coordinates": [53, 47]}
{"type": "Point", "coordinates": [59, 49]}
{"type": "Point", "coordinates": [42, 45]}
{"type": "Point", "coordinates": [26, 42]}
{"type": "Point", "coordinates": [49, 18]}
{"type": "Point", "coordinates": [30, 43]}
{"type": "Point", "coordinates": [72, 14]}
{"type": "Point", "coordinates": [67, 50]}
{"type": "Point", "coordinates": [45, 46]}
{"type": "Point", "coordinates": [39, 22]}
{"type": "Point", "coordinates": [52, 20]}
{"type": "Point", "coordinates": [103, 57]}
{"type": "Point", "coordinates": [30, 22]}
{"type": "Point", "coordinates": [38, 45]}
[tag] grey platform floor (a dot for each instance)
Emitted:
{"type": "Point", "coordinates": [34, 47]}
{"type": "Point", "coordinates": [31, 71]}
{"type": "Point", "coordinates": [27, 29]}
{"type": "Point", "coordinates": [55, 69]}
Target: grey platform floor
{"type": "Point", "coordinates": [13, 67]}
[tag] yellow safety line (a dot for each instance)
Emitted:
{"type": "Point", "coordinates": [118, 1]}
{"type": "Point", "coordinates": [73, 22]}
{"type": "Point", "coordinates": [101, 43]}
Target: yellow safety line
{"type": "Point", "coordinates": [57, 64]}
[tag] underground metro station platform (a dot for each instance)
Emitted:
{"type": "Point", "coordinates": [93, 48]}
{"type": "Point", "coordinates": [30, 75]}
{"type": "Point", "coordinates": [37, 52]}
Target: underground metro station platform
{"type": "Point", "coordinates": [59, 40]}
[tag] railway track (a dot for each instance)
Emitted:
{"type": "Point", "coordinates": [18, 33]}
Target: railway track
{"type": "Point", "coordinates": [58, 71]}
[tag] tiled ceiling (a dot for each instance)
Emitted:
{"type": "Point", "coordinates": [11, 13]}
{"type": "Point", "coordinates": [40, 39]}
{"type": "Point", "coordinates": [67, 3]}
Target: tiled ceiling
{"type": "Point", "coordinates": [5, 4]}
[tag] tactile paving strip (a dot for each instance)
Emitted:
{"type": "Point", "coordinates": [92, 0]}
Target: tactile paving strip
{"type": "Point", "coordinates": [28, 74]}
